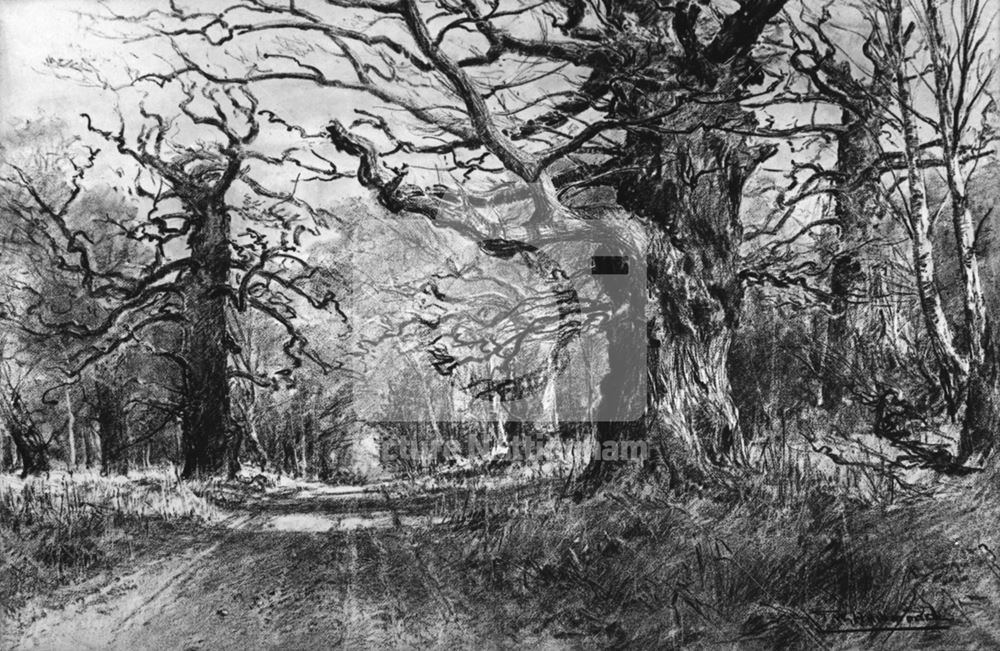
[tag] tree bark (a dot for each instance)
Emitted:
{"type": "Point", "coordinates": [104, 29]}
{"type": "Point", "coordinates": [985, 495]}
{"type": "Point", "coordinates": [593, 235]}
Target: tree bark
{"type": "Point", "coordinates": [70, 430]}
{"type": "Point", "coordinates": [689, 189]}
{"type": "Point", "coordinates": [207, 433]}
{"type": "Point", "coordinates": [857, 211]}
{"type": "Point", "coordinates": [982, 410]}
{"type": "Point", "coordinates": [112, 429]}
{"type": "Point", "coordinates": [32, 450]}
{"type": "Point", "coordinates": [953, 368]}
{"type": "Point", "coordinates": [31, 446]}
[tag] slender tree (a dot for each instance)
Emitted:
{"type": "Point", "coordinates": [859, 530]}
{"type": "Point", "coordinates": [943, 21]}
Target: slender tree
{"type": "Point", "coordinates": [963, 71]}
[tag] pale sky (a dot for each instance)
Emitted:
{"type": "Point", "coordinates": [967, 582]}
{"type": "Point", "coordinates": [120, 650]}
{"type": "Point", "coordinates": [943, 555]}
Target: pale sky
{"type": "Point", "coordinates": [31, 30]}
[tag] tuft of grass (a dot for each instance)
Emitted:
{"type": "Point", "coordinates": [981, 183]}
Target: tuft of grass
{"type": "Point", "coordinates": [740, 568]}
{"type": "Point", "coordinates": [57, 529]}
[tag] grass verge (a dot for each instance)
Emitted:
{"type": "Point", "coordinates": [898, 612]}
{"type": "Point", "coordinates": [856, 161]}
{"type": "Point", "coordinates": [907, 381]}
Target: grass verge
{"type": "Point", "coordinates": [58, 529]}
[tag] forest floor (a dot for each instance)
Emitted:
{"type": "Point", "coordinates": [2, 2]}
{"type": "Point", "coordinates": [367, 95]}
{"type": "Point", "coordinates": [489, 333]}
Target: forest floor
{"type": "Point", "coordinates": [501, 564]}
{"type": "Point", "coordinates": [300, 566]}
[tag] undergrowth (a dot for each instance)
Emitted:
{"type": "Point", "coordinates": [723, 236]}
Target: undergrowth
{"type": "Point", "coordinates": [774, 557]}
{"type": "Point", "coordinates": [730, 568]}
{"type": "Point", "coordinates": [54, 531]}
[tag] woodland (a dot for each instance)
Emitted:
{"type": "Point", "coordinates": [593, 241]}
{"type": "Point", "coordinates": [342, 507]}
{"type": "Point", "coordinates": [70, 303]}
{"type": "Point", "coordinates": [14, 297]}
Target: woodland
{"type": "Point", "coordinates": [445, 254]}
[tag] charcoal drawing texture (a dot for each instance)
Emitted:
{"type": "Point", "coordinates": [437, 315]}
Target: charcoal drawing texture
{"type": "Point", "coordinates": [390, 324]}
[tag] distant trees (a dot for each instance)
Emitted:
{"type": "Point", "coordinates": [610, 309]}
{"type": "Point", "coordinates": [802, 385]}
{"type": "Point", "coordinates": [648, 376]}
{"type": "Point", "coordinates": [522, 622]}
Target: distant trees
{"type": "Point", "coordinates": [913, 107]}
{"type": "Point", "coordinates": [33, 270]}
{"type": "Point", "coordinates": [203, 239]}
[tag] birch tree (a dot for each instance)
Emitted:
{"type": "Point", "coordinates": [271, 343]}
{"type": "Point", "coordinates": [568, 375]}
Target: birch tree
{"type": "Point", "coordinates": [964, 69]}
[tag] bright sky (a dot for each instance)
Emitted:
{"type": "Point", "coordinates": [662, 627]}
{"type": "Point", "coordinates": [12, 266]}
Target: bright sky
{"type": "Point", "coordinates": [31, 30]}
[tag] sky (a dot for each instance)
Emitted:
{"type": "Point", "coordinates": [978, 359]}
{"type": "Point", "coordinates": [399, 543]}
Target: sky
{"type": "Point", "coordinates": [31, 30]}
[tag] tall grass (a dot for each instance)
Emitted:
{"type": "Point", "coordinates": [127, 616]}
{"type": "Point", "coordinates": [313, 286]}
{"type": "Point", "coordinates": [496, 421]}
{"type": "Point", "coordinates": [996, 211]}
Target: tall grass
{"type": "Point", "coordinates": [749, 565]}
{"type": "Point", "coordinates": [58, 529]}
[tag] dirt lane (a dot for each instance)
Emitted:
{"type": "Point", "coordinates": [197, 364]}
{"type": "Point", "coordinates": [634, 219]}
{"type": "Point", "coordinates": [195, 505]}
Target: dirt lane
{"type": "Point", "coordinates": [292, 572]}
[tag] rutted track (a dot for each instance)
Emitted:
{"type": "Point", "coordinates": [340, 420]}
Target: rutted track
{"type": "Point", "coordinates": [302, 569]}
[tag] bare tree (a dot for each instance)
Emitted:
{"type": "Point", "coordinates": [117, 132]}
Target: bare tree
{"type": "Point", "coordinates": [964, 70]}
{"type": "Point", "coordinates": [539, 102]}
{"type": "Point", "coordinates": [920, 221]}
{"type": "Point", "coordinates": [190, 264]}
{"type": "Point", "coordinates": [859, 91]}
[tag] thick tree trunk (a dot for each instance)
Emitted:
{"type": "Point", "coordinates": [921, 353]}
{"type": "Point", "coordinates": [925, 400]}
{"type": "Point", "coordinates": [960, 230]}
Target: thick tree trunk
{"type": "Point", "coordinates": [207, 432]}
{"type": "Point", "coordinates": [982, 409]}
{"type": "Point", "coordinates": [112, 429]}
{"type": "Point", "coordinates": [32, 447]}
{"type": "Point", "coordinates": [857, 211]}
{"type": "Point", "coordinates": [689, 190]}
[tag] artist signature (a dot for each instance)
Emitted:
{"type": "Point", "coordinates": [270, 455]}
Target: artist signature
{"type": "Point", "coordinates": [839, 621]}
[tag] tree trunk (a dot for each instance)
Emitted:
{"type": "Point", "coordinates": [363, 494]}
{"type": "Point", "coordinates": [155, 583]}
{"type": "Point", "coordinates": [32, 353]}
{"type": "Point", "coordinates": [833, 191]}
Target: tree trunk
{"type": "Point", "coordinates": [112, 429]}
{"type": "Point", "coordinates": [32, 449]}
{"type": "Point", "coordinates": [8, 454]}
{"type": "Point", "coordinates": [857, 211]}
{"type": "Point", "coordinates": [982, 410]}
{"type": "Point", "coordinates": [307, 435]}
{"type": "Point", "coordinates": [207, 431]}
{"type": "Point", "coordinates": [256, 447]}
{"type": "Point", "coordinates": [952, 367]}
{"type": "Point", "coordinates": [70, 430]}
{"type": "Point", "coordinates": [88, 452]}
{"type": "Point", "coordinates": [689, 189]}
{"type": "Point", "coordinates": [288, 462]}
{"type": "Point", "coordinates": [31, 446]}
